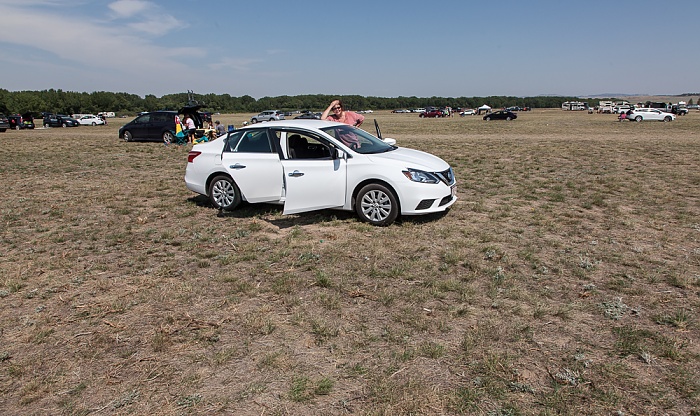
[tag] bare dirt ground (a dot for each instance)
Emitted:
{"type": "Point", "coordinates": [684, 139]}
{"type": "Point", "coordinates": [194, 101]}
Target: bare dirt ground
{"type": "Point", "coordinates": [565, 280]}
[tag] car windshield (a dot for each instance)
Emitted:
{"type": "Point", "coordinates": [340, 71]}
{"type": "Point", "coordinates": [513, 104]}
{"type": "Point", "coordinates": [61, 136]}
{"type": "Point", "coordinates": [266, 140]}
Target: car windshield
{"type": "Point", "coordinates": [358, 139]}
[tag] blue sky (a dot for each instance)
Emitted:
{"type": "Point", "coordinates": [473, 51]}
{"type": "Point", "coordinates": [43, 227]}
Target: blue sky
{"type": "Point", "coordinates": [380, 48]}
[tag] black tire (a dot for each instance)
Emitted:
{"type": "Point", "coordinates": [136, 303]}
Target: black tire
{"type": "Point", "coordinates": [128, 137]}
{"type": "Point", "coordinates": [255, 120]}
{"type": "Point", "coordinates": [223, 193]}
{"type": "Point", "coordinates": [64, 125]}
{"type": "Point", "coordinates": [488, 119]}
{"type": "Point", "coordinates": [168, 137]}
{"type": "Point", "coordinates": [46, 126]}
{"type": "Point", "coordinates": [272, 119]}
{"type": "Point", "coordinates": [638, 119]}
{"type": "Point", "coordinates": [377, 205]}
{"type": "Point", "coordinates": [667, 119]}
{"type": "Point", "coordinates": [508, 119]}
{"type": "Point", "coordinates": [94, 124]}
{"type": "Point", "coordinates": [17, 127]}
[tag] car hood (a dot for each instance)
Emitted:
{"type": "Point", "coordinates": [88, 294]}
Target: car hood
{"type": "Point", "coordinates": [410, 158]}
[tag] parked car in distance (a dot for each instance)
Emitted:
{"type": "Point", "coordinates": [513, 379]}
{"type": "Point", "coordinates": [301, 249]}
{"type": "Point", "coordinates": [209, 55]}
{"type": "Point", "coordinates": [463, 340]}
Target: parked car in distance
{"type": "Point", "coordinates": [268, 115]}
{"type": "Point", "coordinates": [309, 116]}
{"type": "Point", "coordinates": [654, 114]}
{"type": "Point", "coordinates": [158, 125]}
{"type": "Point", "coordinates": [309, 165]}
{"type": "Point", "coordinates": [467, 112]}
{"type": "Point", "coordinates": [59, 120]}
{"type": "Point", "coordinates": [501, 115]}
{"type": "Point", "coordinates": [432, 114]}
{"type": "Point", "coordinates": [514, 108]}
{"type": "Point", "coordinates": [4, 123]}
{"type": "Point", "coordinates": [91, 120]}
{"type": "Point", "coordinates": [19, 122]}
{"type": "Point", "coordinates": [418, 110]}
{"type": "Point", "coordinates": [401, 110]}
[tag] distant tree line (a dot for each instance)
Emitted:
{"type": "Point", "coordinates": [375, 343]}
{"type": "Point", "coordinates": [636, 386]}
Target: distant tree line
{"type": "Point", "coordinates": [70, 102]}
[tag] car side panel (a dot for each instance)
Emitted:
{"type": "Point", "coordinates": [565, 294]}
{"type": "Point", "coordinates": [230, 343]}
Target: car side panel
{"type": "Point", "coordinates": [258, 175]}
{"type": "Point", "coordinates": [313, 184]}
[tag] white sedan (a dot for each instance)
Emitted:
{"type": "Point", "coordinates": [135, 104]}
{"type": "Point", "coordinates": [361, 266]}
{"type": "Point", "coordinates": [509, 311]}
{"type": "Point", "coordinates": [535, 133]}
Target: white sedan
{"type": "Point", "coordinates": [90, 121]}
{"type": "Point", "coordinates": [639, 114]}
{"type": "Point", "coordinates": [310, 165]}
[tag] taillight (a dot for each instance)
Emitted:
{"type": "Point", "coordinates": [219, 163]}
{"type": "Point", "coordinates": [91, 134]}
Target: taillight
{"type": "Point", "coordinates": [192, 155]}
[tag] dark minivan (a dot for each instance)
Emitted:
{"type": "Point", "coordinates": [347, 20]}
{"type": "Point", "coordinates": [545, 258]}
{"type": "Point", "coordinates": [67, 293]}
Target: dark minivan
{"type": "Point", "coordinates": [157, 125]}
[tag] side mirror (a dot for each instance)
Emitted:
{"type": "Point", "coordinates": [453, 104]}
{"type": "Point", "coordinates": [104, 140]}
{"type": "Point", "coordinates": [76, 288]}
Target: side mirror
{"type": "Point", "coordinates": [390, 142]}
{"type": "Point", "coordinates": [338, 153]}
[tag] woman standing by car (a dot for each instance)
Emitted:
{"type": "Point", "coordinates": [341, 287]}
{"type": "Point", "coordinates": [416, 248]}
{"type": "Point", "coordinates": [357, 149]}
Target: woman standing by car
{"type": "Point", "coordinates": [339, 114]}
{"type": "Point", "coordinates": [189, 124]}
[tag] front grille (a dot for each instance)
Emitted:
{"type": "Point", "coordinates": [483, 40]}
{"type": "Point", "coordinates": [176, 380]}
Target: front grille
{"type": "Point", "coordinates": [447, 176]}
{"type": "Point", "coordinates": [425, 204]}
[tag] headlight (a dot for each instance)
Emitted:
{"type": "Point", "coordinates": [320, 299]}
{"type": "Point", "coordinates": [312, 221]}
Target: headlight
{"type": "Point", "coordinates": [420, 176]}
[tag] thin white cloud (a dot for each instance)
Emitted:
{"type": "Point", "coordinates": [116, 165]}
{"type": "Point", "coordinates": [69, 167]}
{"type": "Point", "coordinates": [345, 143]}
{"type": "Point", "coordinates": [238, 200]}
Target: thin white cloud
{"type": "Point", "coordinates": [157, 26]}
{"type": "Point", "coordinates": [242, 64]}
{"type": "Point", "coordinates": [128, 8]}
{"type": "Point", "coordinates": [89, 43]}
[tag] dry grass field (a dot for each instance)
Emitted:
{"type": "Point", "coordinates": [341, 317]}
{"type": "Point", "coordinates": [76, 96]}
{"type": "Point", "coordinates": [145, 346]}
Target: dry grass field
{"type": "Point", "coordinates": [565, 281]}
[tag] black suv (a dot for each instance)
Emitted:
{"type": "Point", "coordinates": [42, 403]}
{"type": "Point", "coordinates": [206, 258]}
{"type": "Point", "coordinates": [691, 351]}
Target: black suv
{"type": "Point", "coordinates": [59, 120]}
{"type": "Point", "coordinates": [18, 122]}
{"type": "Point", "coordinates": [4, 123]}
{"type": "Point", "coordinates": [157, 125]}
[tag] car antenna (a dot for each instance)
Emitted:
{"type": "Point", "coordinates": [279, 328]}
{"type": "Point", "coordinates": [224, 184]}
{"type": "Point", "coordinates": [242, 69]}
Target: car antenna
{"type": "Point", "coordinates": [376, 126]}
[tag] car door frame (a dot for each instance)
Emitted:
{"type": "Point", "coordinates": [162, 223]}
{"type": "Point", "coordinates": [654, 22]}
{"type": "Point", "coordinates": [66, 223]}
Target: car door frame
{"type": "Point", "coordinates": [259, 176]}
{"type": "Point", "coordinates": [313, 184]}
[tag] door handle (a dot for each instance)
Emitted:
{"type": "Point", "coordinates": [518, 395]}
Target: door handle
{"type": "Point", "coordinates": [295, 174]}
{"type": "Point", "coordinates": [237, 166]}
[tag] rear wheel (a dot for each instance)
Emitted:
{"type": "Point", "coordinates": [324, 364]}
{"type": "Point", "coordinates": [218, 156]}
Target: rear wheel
{"type": "Point", "coordinates": [64, 125]}
{"type": "Point", "coordinates": [46, 125]}
{"type": "Point", "coordinates": [224, 194]}
{"type": "Point", "coordinates": [17, 127]}
{"type": "Point", "coordinates": [272, 119]}
{"type": "Point", "coordinates": [508, 119]}
{"type": "Point", "coordinates": [638, 119]}
{"type": "Point", "coordinates": [377, 205]}
{"type": "Point", "coordinates": [94, 124]}
{"type": "Point", "coordinates": [168, 137]}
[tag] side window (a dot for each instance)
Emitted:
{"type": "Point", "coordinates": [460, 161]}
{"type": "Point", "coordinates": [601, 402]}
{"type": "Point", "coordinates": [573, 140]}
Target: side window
{"type": "Point", "coordinates": [253, 141]}
{"type": "Point", "coordinates": [144, 118]}
{"type": "Point", "coordinates": [306, 146]}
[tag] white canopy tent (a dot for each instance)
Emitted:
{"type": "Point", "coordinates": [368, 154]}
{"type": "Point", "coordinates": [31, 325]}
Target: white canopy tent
{"type": "Point", "coordinates": [484, 108]}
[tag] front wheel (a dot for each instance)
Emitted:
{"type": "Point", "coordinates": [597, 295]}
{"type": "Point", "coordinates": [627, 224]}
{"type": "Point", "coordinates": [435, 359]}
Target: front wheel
{"type": "Point", "coordinates": [94, 124]}
{"type": "Point", "coordinates": [488, 119]}
{"type": "Point", "coordinates": [17, 127]}
{"type": "Point", "coordinates": [46, 125]}
{"type": "Point", "coordinates": [255, 120]}
{"type": "Point", "coordinates": [168, 137]}
{"type": "Point", "coordinates": [667, 119]}
{"type": "Point", "coordinates": [638, 119]}
{"type": "Point", "coordinates": [272, 119]}
{"type": "Point", "coordinates": [127, 136]}
{"type": "Point", "coordinates": [224, 194]}
{"type": "Point", "coordinates": [377, 205]}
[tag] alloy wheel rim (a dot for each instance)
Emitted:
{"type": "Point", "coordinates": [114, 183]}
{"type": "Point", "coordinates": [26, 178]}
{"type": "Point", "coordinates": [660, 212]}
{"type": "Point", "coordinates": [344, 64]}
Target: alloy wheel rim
{"type": "Point", "coordinates": [376, 205]}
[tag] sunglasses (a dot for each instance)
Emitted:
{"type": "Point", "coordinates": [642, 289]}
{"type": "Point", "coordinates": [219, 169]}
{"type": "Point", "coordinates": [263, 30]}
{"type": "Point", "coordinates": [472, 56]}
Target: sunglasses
{"type": "Point", "coordinates": [336, 107]}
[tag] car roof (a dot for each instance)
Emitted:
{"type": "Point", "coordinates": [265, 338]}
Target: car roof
{"type": "Point", "coordinates": [296, 123]}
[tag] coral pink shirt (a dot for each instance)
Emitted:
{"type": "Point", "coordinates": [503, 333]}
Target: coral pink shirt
{"type": "Point", "coordinates": [350, 118]}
